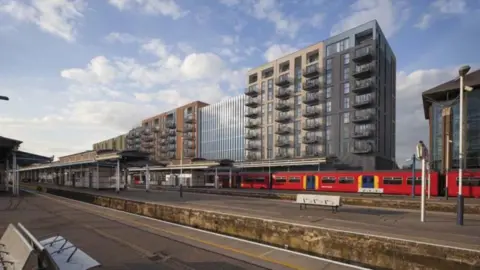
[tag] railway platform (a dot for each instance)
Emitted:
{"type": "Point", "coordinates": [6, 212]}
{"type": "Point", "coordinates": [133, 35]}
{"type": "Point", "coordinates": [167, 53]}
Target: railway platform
{"type": "Point", "coordinates": [439, 228]}
{"type": "Point", "coordinates": [123, 241]}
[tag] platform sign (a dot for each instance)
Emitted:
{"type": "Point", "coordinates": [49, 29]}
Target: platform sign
{"type": "Point", "coordinates": [371, 190]}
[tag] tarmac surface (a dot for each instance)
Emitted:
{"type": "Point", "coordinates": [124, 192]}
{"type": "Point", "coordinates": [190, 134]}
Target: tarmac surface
{"type": "Point", "coordinates": [439, 228]}
{"type": "Point", "coordinates": [442, 199]}
{"type": "Point", "coordinates": [123, 241]}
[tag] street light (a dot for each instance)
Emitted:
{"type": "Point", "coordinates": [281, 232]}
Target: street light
{"type": "Point", "coordinates": [462, 72]}
{"type": "Point", "coordinates": [4, 98]}
{"type": "Point", "coordinates": [181, 154]}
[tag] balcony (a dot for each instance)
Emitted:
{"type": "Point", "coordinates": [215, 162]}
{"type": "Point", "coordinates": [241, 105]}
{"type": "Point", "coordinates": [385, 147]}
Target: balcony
{"type": "Point", "coordinates": [282, 155]}
{"type": "Point", "coordinates": [189, 145]}
{"type": "Point", "coordinates": [283, 118]}
{"type": "Point", "coordinates": [311, 99]}
{"type": "Point", "coordinates": [147, 131]}
{"type": "Point", "coordinates": [363, 55]}
{"type": "Point", "coordinates": [171, 140]}
{"type": "Point", "coordinates": [252, 156]}
{"type": "Point", "coordinates": [171, 155]}
{"type": "Point", "coordinates": [189, 136]}
{"type": "Point", "coordinates": [362, 118]}
{"type": "Point", "coordinates": [172, 133]}
{"type": "Point", "coordinates": [148, 138]}
{"type": "Point", "coordinates": [163, 149]}
{"type": "Point", "coordinates": [310, 153]}
{"type": "Point", "coordinates": [252, 135]}
{"type": "Point", "coordinates": [364, 71]}
{"type": "Point", "coordinates": [283, 80]}
{"type": "Point", "coordinates": [252, 102]}
{"type": "Point", "coordinates": [171, 147]}
{"type": "Point", "coordinates": [312, 125]}
{"type": "Point", "coordinates": [311, 71]}
{"type": "Point", "coordinates": [312, 112]}
{"type": "Point", "coordinates": [283, 130]}
{"type": "Point", "coordinates": [252, 113]}
{"type": "Point", "coordinates": [312, 85]}
{"type": "Point", "coordinates": [283, 106]}
{"type": "Point", "coordinates": [362, 134]}
{"type": "Point", "coordinates": [164, 134]}
{"type": "Point", "coordinates": [190, 153]}
{"type": "Point", "coordinates": [189, 118]}
{"type": "Point", "coordinates": [188, 127]}
{"type": "Point", "coordinates": [252, 91]}
{"type": "Point", "coordinates": [163, 142]}
{"type": "Point", "coordinates": [156, 129]}
{"type": "Point", "coordinates": [283, 93]}
{"type": "Point", "coordinates": [171, 124]}
{"type": "Point", "coordinates": [364, 148]}
{"type": "Point", "coordinates": [283, 143]}
{"type": "Point", "coordinates": [252, 124]}
{"type": "Point", "coordinates": [252, 146]}
{"type": "Point", "coordinates": [311, 139]}
{"type": "Point", "coordinates": [363, 101]}
{"type": "Point", "coordinates": [364, 86]}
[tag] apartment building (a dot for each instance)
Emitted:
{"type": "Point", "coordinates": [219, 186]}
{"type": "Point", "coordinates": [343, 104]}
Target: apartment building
{"type": "Point", "coordinates": [117, 143]}
{"type": "Point", "coordinates": [222, 129]}
{"type": "Point", "coordinates": [171, 135]}
{"type": "Point", "coordinates": [334, 98]}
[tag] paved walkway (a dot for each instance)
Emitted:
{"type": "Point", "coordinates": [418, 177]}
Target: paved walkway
{"type": "Point", "coordinates": [122, 241]}
{"type": "Point", "coordinates": [439, 228]}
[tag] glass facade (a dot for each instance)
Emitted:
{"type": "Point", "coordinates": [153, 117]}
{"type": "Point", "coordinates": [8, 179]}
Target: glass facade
{"type": "Point", "coordinates": [222, 130]}
{"type": "Point", "coordinates": [472, 131]}
{"type": "Point", "coordinates": [437, 136]}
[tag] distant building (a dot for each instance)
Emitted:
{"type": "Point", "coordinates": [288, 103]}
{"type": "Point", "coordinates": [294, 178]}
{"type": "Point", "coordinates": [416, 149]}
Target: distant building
{"type": "Point", "coordinates": [441, 108]}
{"type": "Point", "coordinates": [333, 98]}
{"type": "Point", "coordinates": [117, 143]}
{"type": "Point", "coordinates": [221, 127]}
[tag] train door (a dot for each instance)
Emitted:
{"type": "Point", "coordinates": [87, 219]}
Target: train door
{"type": "Point", "coordinates": [238, 181]}
{"type": "Point", "coordinates": [368, 181]}
{"type": "Point", "coordinates": [310, 182]}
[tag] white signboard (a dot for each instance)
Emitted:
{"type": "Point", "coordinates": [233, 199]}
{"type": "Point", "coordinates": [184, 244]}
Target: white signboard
{"type": "Point", "coordinates": [325, 200]}
{"type": "Point", "coordinates": [370, 190]}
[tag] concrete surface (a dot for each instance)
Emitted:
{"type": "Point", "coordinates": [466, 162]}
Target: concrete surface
{"type": "Point", "coordinates": [361, 248]}
{"type": "Point", "coordinates": [122, 241]}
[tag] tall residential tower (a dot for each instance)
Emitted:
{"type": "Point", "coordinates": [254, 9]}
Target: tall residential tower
{"type": "Point", "coordinates": [335, 98]}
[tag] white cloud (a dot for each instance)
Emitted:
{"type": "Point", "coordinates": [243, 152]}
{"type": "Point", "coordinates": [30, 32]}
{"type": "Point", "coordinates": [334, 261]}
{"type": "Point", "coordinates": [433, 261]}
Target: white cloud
{"type": "Point", "coordinates": [450, 6]}
{"type": "Point", "coordinates": [162, 7]}
{"type": "Point", "coordinates": [156, 47]}
{"type": "Point", "coordinates": [317, 20]}
{"type": "Point", "coordinates": [59, 17]}
{"type": "Point", "coordinates": [276, 51]}
{"type": "Point", "coordinates": [424, 22]}
{"type": "Point", "coordinates": [230, 40]}
{"type": "Point", "coordinates": [390, 16]}
{"type": "Point", "coordinates": [121, 37]}
{"type": "Point", "coordinates": [99, 70]}
{"type": "Point", "coordinates": [203, 65]}
{"type": "Point", "coordinates": [230, 3]}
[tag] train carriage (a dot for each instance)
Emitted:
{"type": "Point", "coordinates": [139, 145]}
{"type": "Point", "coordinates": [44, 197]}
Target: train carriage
{"type": "Point", "coordinates": [255, 180]}
{"type": "Point", "coordinates": [470, 183]}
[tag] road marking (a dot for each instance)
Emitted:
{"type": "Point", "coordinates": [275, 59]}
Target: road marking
{"type": "Point", "coordinates": [266, 253]}
{"type": "Point", "coordinates": [100, 213]}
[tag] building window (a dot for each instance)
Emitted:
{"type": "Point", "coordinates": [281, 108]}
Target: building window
{"type": "Point", "coordinates": [346, 117]}
{"type": "Point", "coordinates": [269, 118]}
{"type": "Point", "coordinates": [329, 77]}
{"type": "Point", "coordinates": [346, 72]}
{"type": "Point", "coordinates": [328, 92]}
{"type": "Point", "coordinates": [346, 88]}
{"type": "Point", "coordinates": [328, 120]}
{"type": "Point", "coordinates": [346, 102]}
{"type": "Point", "coordinates": [346, 132]}
{"type": "Point", "coordinates": [329, 64]}
{"type": "Point", "coordinates": [329, 106]}
{"type": "Point", "coordinates": [270, 89]}
{"type": "Point", "coordinates": [327, 134]}
{"type": "Point", "coordinates": [346, 59]}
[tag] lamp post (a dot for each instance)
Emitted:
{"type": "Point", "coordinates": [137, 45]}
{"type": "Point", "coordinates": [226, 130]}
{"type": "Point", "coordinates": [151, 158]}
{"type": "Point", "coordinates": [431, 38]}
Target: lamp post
{"type": "Point", "coordinates": [181, 154]}
{"type": "Point", "coordinates": [4, 98]}
{"type": "Point", "coordinates": [422, 154]}
{"type": "Point", "coordinates": [460, 202]}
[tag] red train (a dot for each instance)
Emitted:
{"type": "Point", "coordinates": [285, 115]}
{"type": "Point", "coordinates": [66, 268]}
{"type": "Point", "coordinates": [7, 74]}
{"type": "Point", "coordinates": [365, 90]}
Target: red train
{"type": "Point", "coordinates": [384, 182]}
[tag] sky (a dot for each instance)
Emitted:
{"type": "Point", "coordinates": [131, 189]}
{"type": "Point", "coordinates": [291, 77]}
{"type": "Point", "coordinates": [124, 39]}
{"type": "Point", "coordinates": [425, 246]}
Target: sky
{"type": "Point", "coordinates": [81, 71]}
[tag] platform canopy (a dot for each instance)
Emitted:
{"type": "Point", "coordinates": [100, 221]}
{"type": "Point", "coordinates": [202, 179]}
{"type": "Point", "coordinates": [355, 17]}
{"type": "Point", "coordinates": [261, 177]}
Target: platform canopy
{"type": "Point", "coordinates": [130, 158]}
{"type": "Point", "coordinates": [8, 146]}
{"type": "Point", "coordinates": [448, 90]}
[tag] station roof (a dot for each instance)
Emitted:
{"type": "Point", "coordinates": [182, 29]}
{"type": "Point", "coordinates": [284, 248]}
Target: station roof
{"type": "Point", "coordinates": [448, 90]}
{"type": "Point", "coordinates": [8, 145]}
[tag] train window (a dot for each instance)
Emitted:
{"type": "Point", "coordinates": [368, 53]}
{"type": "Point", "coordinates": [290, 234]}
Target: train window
{"type": "Point", "coordinates": [294, 179]}
{"type": "Point", "coordinates": [249, 180]}
{"type": "Point", "coordinates": [470, 181]}
{"type": "Point", "coordinates": [392, 180]}
{"type": "Point", "coordinates": [280, 180]}
{"type": "Point", "coordinates": [418, 181]}
{"type": "Point", "coordinates": [260, 180]}
{"type": "Point", "coordinates": [345, 180]}
{"type": "Point", "coordinates": [328, 180]}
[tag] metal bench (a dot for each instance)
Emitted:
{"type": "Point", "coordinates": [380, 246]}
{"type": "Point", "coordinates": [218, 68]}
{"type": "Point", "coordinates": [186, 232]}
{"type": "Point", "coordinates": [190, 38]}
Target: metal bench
{"type": "Point", "coordinates": [318, 200]}
{"type": "Point", "coordinates": [18, 246]}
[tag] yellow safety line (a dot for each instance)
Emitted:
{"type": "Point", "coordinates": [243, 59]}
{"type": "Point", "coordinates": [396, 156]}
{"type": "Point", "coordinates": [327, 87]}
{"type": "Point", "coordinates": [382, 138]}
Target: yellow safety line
{"type": "Point", "coordinates": [259, 257]}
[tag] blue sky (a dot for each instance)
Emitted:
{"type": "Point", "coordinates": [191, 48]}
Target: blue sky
{"type": "Point", "coordinates": [81, 71]}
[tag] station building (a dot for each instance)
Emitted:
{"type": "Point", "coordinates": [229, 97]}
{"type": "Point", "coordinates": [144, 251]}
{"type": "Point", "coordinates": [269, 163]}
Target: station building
{"type": "Point", "coordinates": [441, 109]}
